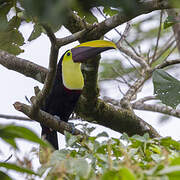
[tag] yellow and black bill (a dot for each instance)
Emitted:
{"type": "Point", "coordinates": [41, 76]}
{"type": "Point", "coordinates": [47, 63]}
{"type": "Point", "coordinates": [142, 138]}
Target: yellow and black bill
{"type": "Point", "coordinates": [90, 49]}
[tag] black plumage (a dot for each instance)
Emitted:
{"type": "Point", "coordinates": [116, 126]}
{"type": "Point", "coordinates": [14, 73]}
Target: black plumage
{"type": "Point", "coordinates": [60, 102]}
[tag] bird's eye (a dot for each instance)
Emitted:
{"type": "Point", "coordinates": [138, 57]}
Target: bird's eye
{"type": "Point", "coordinates": [68, 54]}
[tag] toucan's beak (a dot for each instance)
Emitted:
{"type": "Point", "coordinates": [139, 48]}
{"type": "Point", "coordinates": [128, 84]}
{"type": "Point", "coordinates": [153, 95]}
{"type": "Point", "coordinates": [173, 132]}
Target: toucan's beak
{"type": "Point", "coordinates": [90, 49]}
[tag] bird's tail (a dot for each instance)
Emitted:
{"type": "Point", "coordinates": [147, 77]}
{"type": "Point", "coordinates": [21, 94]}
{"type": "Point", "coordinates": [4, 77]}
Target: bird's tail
{"type": "Point", "coordinates": [50, 136]}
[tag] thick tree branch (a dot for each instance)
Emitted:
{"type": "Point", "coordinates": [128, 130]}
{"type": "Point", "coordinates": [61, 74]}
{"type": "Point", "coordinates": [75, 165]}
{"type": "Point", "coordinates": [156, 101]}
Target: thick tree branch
{"type": "Point", "coordinates": [23, 66]}
{"type": "Point", "coordinates": [118, 19]}
{"type": "Point", "coordinates": [120, 120]}
{"type": "Point", "coordinates": [47, 119]}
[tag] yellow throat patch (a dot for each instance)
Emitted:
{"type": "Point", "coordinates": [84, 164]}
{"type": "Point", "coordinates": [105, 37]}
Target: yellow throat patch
{"type": "Point", "coordinates": [71, 73]}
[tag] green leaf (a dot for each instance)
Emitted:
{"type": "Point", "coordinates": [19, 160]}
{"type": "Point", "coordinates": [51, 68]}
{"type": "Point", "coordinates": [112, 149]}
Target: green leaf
{"type": "Point", "coordinates": [44, 11]}
{"type": "Point", "coordinates": [141, 138]}
{"type": "Point", "coordinates": [80, 167]}
{"type": "Point", "coordinates": [168, 142]}
{"type": "Point", "coordinates": [70, 139]}
{"type": "Point", "coordinates": [25, 134]}
{"type": "Point", "coordinates": [11, 48]}
{"type": "Point", "coordinates": [11, 40]}
{"type": "Point", "coordinates": [122, 174]}
{"type": "Point", "coordinates": [58, 156]}
{"type": "Point", "coordinates": [109, 11]}
{"type": "Point", "coordinates": [102, 134]}
{"type": "Point", "coordinates": [167, 88]}
{"type": "Point", "coordinates": [4, 23]}
{"type": "Point", "coordinates": [11, 166]}
{"type": "Point", "coordinates": [10, 141]}
{"type": "Point", "coordinates": [15, 22]}
{"type": "Point", "coordinates": [156, 157]}
{"type": "Point", "coordinates": [36, 32]}
{"type": "Point", "coordinates": [10, 132]}
{"type": "Point", "coordinates": [4, 176]}
{"type": "Point", "coordinates": [170, 21]}
{"type": "Point", "coordinates": [175, 161]}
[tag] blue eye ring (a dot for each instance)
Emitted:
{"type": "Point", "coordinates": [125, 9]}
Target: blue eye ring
{"type": "Point", "coordinates": [68, 53]}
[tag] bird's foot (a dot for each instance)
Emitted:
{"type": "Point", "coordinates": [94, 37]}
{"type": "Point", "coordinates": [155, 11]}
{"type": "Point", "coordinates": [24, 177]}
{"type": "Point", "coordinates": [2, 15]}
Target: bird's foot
{"type": "Point", "coordinates": [57, 117]}
{"type": "Point", "coordinates": [73, 127]}
{"type": "Point", "coordinates": [70, 123]}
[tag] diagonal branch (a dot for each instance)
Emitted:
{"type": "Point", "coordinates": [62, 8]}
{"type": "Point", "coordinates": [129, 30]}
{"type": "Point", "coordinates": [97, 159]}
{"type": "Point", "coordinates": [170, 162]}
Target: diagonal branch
{"type": "Point", "coordinates": [74, 37]}
{"type": "Point", "coordinates": [158, 37]}
{"type": "Point", "coordinates": [133, 56]}
{"type": "Point", "coordinates": [23, 66]}
{"type": "Point", "coordinates": [120, 18]}
{"type": "Point", "coordinates": [168, 63]}
{"type": "Point", "coordinates": [47, 119]}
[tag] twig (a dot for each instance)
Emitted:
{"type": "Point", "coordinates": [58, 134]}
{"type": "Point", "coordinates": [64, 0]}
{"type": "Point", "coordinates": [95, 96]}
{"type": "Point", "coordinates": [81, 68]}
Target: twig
{"type": "Point", "coordinates": [125, 33]}
{"type": "Point", "coordinates": [148, 98]}
{"type": "Point", "coordinates": [136, 68]}
{"type": "Point", "coordinates": [158, 37]}
{"type": "Point", "coordinates": [125, 101]}
{"type": "Point", "coordinates": [168, 63]}
{"type": "Point", "coordinates": [121, 35]}
{"type": "Point", "coordinates": [74, 37]}
{"type": "Point", "coordinates": [124, 80]}
{"type": "Point", "coordinates": [157, 108]}
{"type": "Point", "coordinates": [8, 158]}
{"type": "Point", "coordinates": [133, 56]}
{"type": "Point", "coordinates": [15, 117]}
{"type": "Point", "coordinates": [120, 90]}
{"type": "Point", "coordinates": [168, 44]}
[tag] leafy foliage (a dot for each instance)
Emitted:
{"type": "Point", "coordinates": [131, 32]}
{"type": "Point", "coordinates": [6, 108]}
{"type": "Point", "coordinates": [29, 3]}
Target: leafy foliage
{"type": "Point", "coordinates": [54, 13]}
{"type": "Point", "coordinates": [127, 158]}
{"type": "Point", "coordinates": [9, 133]}
{"type": "Point", "coordinates": [167, 88]}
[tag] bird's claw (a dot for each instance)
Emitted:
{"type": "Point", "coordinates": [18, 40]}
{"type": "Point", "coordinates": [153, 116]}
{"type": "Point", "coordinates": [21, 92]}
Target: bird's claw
{"type": "Point", "coordinates": [57, 117]}
{"type": "Point", "coordinates": [71, 124]}
{"type": "Point", "coordinates": [73, 127]}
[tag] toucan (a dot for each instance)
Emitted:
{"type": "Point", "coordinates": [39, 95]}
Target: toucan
{"type": "Point", "coordinates": [69, 82]}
